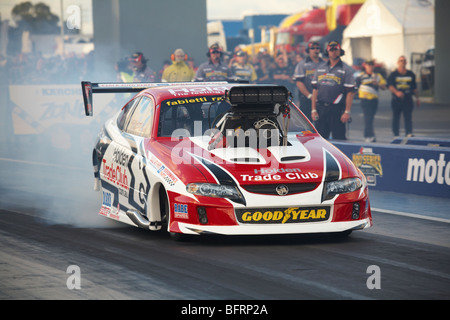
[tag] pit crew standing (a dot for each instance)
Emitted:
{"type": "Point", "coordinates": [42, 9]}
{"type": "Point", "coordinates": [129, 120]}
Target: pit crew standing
{"type": "Point", "coordinates": [368, 83]}
{"type": "Point", "coordinates": [241, 69]}
{"type": "Point", "coordinates": [141, 72]}
{"type": "Point", "coordinates": [303, 75]}
{"type": "Point", "coordinates": [281, 73]}
{"type": "Point", "coordinates": [214, 69]}
{"type": "Point", "coordinates": [179, 71]}
{"type": "Point", "coordinates": [402, 84]}
{"type": "Point", "coordinates": [334, 89]}
{"type": "Point", "coordinates": [123, 69]}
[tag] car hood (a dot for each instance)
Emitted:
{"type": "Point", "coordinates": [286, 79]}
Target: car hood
{"type": "Point", "coordinates": [306, 159]}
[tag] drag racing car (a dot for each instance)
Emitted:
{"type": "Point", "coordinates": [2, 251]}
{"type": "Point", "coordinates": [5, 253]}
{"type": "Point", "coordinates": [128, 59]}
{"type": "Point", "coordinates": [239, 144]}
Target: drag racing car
{"type": "Point", "coordinates": [222, 158]}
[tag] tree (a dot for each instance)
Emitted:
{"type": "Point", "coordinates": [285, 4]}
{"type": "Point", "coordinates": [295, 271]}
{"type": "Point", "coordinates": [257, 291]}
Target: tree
{"type": "Point", "coordinates": [38, 19]}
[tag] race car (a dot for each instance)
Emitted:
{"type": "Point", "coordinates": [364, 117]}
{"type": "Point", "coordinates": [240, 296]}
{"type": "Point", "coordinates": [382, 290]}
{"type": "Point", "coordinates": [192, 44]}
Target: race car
{"type": "Point", "coordinates": [222, 158]}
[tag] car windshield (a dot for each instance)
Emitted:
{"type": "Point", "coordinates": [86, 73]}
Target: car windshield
{"type": "Point", "coordinates": [189, 117]}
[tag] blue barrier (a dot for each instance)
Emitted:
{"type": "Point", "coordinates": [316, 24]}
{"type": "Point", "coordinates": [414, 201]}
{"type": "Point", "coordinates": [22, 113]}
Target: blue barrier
{"type": "Point", "coordinates": [414, 169]}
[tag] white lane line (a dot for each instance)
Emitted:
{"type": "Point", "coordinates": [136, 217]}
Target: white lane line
{"type": "Point", "coordinates": [411, 215]}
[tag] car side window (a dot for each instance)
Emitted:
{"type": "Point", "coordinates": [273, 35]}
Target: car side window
{"type": "Point", "coordinates": [125, 115]}
{"type": "Point", "coordinates": [141, 120]}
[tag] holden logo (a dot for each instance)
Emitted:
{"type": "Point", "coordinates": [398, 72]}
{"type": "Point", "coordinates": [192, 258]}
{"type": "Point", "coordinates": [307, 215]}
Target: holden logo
{"type": "Point", "coordinates": [282, 190]}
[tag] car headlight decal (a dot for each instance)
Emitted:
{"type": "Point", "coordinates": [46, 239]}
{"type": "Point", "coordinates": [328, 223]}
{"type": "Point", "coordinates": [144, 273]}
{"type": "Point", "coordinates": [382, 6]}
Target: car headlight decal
{"type": "Point", "coordinates": [226, 187]}
{"type": "Point", "coordinates": [342, 186]}
{"type": "Point", "coordinates": [332, 172]}
{"type": "Point", "coordinates": [215, 191]}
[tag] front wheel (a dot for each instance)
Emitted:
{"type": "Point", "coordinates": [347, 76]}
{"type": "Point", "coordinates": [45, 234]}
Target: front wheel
{"type": "Point", "coordinates": [165, 216]}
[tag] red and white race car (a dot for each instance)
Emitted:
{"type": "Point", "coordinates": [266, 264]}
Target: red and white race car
{"type": "Point", "coordinates": [221, 158]}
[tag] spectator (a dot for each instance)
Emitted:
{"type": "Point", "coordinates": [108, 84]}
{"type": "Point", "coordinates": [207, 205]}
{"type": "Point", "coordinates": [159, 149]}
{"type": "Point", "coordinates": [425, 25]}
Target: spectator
{"type": "Point", "coordinates": [214, 69]}
{"type": "Point", "coordinates": [402, 84]}
{"type": "Point", "coordinates": [241, 69]}
{"type": "Point", "coordinates": [333, 94]}
{"type": "Point", "coordinates": [368, 83]}
{"type": "Point", "coordinates": [281, 73]}
{"type": "Point", "coordinates": [264, 70]}
{"type": "Point", "coordinates": [179, 71]}
{"type": "Point", "coordinates": [141, 72]}
{"type": "Point", "coordinates": [303, 75]}
{"type": "Point", "coordinates": [123, 69]}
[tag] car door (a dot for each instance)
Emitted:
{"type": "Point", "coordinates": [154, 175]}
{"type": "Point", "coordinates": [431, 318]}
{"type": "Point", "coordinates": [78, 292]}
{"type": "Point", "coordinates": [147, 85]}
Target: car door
{"type": "Point", "coordinates": [137, 127]}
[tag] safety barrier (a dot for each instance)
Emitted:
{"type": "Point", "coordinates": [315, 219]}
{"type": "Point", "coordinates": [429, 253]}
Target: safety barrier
{"type": "Point", "coordinates": [420, 166]}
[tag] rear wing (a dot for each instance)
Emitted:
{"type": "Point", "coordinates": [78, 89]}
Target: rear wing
{"type": "Point", "coordinates": [89, 88]}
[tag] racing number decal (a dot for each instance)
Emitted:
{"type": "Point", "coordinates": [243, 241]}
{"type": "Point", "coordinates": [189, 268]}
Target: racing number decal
{"type": "Point", "coordinates": [139, 184]}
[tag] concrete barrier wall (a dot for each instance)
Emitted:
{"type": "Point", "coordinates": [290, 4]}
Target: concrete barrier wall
{"type": "Point", "coordinates": [413, 169]}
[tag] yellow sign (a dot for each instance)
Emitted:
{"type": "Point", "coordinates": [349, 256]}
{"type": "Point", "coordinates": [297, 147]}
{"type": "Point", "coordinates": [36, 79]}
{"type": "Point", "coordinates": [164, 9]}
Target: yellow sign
{"type": "Point", "coordinates": [283, 215]}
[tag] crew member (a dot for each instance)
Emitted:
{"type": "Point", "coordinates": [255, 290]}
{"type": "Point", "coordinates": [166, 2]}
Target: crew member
{"type": "Point", "coordinates": [179, 71]}
{"type": "Point", "coordinates": [141, 72]}
{"type": "Point", "coordinates": [123, 69]}
{"type": "Point", "coordinates": [368, 83]}
{"type": "Point", "coordinates": [402, 84]}
{"type": "Point", "coordinates": [303, 75]}
{"type": "Point", "coordinates": [214, 69]}
{"type": "Point", "coordinates": [241, 69]}
{"type": "Point", "coordinates": [334, 89]}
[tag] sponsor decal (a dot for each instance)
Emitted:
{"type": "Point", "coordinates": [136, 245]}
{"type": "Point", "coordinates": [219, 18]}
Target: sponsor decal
{"type": "Point", "coordinates": [429, 171]}
{"type": "Point", "coordinates": [107, 199]}
{"type": "Point", "coordinates": [369, 163]}
{"type": "Point", "coordinates": [115, 173]}
{"type": "Point", "coordinates": [269, 175]}
{"type": "Point", "coordinates": [283, 215]}
{"type": "Point", "coordinates": [329, 78]}
{"type": "Point", "coordinates": [184, 101]}
{"type": "Point", "coordinates": [104, 211]}
{"type": "Point", "coordinates": [180, 211]}
{"type": "Point", "coordinates": [188, 91]}
{"type": "Point", "coordinates": [120, 157]}
{"type": "Point", "coordinates": [162, 170]}
{"type": "Point", "coordinates": [108, 212]}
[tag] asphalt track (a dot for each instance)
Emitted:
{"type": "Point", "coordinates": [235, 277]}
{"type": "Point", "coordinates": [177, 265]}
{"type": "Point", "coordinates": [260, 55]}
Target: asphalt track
{"type": "Point", "coordinates": [49, 223]}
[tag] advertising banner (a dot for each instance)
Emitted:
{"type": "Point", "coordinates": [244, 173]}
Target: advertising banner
{"type": "Point", "coordinates": [56, 113]}
{"type": "Point", "coordinates": [410, 169]}
{"type": "Point", "coordinates": [37, 108]}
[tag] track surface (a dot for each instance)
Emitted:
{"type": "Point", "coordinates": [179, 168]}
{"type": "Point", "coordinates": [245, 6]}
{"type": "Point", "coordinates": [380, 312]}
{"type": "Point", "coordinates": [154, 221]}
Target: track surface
{"type": "Point", "coordinates": [50, 222]}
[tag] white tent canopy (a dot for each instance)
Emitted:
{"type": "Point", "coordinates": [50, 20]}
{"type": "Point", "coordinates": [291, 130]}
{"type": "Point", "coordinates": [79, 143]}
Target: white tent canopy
{"type": "Point", "coordinates": [384, 30]}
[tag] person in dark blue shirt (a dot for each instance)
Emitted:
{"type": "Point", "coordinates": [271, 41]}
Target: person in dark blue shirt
{"type": "Point", "coordinates": [402, 84]}
{"type": "Point", "coordinates": [334, 89]}
{"type": "Point", "coordinates": [303, 75]}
